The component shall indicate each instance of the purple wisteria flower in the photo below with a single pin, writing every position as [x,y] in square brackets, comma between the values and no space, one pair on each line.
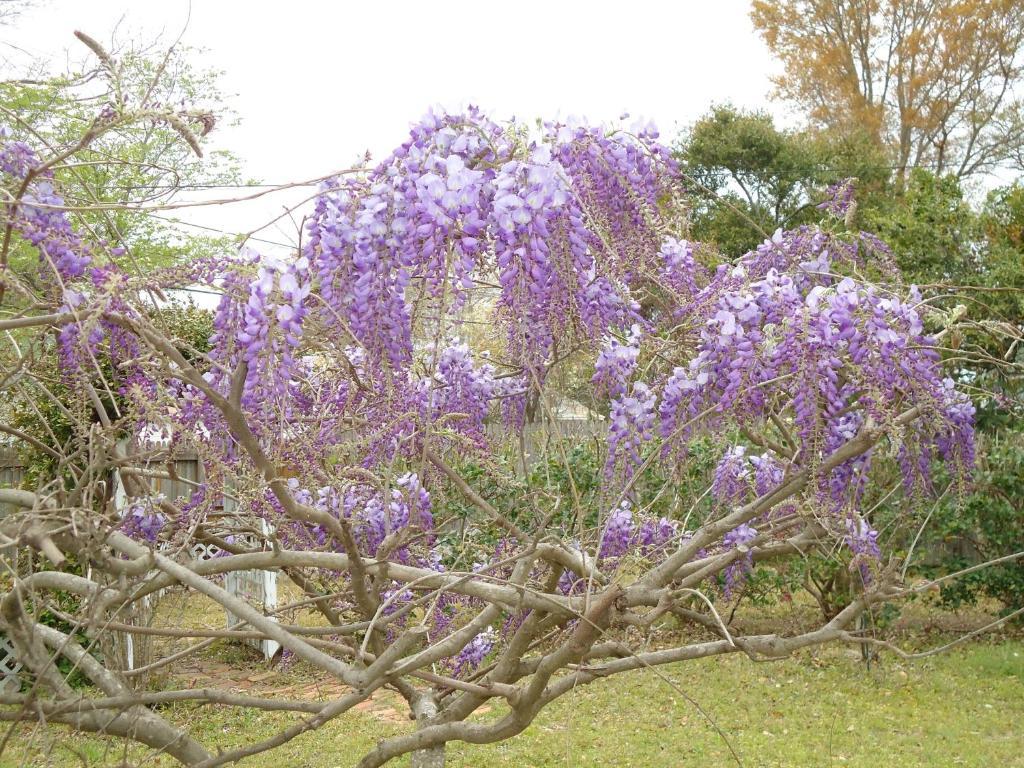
[732,479]
[475,652]
[631,423]
[618,532]
[679,269]
[142,520]
[862,540]
[616,362]
[736,572]
[839,198]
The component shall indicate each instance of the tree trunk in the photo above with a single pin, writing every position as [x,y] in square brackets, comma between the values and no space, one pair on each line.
[425,708]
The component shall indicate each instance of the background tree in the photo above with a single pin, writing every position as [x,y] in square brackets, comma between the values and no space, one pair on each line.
[748,177]
[128,164]
[936,83]
[1002,225]
[933,231]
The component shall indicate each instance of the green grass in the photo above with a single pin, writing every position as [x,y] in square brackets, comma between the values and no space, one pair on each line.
[962,708]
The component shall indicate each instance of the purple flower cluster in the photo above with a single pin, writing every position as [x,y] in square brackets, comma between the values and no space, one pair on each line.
[17,158]
[830,350]
[679,270]
[740,477]
[839,197]
[955,437]
[620,179]
[616,362]
[862,540]
[39,216]
[473,653]
[374,513]
[623,533]
[463,391]
[631,423]
[618,532]
[463,187]
[142,521]
[371,238]
[41,220]
[732,477]
[530,201]
[736,572]
[271,329]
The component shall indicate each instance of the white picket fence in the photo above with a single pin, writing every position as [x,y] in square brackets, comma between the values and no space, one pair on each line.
[258,588]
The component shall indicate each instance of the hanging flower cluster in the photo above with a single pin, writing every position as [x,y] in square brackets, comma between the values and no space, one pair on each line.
[373,513]
[737,571]
[624,532]
[40,217]
[462,392]
[817,352]
[616,362]
[862,540]
[142,519]
[463,188]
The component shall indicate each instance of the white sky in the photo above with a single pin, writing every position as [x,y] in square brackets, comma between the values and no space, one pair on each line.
[318,83]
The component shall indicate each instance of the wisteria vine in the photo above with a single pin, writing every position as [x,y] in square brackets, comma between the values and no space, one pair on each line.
[349,363]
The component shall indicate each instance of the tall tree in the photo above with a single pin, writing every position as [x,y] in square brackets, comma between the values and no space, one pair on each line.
[749,177]
[936,82]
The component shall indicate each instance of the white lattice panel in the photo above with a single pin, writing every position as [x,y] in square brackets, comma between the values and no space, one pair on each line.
[9,666]
[202,551]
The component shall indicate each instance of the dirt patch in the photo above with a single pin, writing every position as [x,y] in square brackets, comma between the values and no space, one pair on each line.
[253,678]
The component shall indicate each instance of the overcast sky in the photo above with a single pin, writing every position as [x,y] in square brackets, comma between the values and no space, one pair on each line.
[317,83]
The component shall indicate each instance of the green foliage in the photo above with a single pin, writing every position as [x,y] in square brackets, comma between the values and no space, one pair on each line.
[771,585]
[1003,216]
[569,491]
[579,476]
[967,256]
[931,229]
[749,177]
[987,524]
[190,326]
[1002,224]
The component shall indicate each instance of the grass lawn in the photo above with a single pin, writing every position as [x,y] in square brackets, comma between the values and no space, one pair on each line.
[962,708]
